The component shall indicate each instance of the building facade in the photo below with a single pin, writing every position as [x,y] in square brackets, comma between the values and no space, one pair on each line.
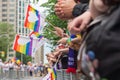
[13,12]
[21,12]
[8,11]
[8,14]
[39,56]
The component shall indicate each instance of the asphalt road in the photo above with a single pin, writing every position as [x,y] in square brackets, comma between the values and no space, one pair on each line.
[26,78]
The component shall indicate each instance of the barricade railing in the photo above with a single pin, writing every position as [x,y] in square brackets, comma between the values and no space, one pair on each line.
[13,74]
[63,75]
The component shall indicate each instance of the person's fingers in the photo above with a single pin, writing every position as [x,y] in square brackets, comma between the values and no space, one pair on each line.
[83,26]
[59,41]
[53,59]
[56,54]
[50,55]
[73,26]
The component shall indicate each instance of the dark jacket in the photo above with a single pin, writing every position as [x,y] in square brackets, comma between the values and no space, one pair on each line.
[80,8]
[104,40]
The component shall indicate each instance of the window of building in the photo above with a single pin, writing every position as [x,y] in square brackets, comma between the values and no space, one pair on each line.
[12,0]
[19,10]
[4,0]
[4,10]
[10,49]
[19,22]
[4,15]
[19,30]
[23,10]
[11,20]
[23,30]
[19,16]
[11,15]
[22,23]
[4,5]
[11,10]
[23,18]
[23,4]
[19,3]
[11,55]
[11,5]
[4,19]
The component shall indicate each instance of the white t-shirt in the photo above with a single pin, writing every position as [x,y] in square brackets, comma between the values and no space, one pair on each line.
[35,68]
[22,67]
[1,64]
[11,65]
[6,67]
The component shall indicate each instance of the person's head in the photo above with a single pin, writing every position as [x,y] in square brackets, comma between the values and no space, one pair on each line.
[98,7]
[111,2]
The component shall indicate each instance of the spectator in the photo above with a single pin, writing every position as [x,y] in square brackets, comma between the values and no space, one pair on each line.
[103,36]
[6,68]
[1,63]
[22,68]
[30,69]
[41,69]
[68,9]
[35,70]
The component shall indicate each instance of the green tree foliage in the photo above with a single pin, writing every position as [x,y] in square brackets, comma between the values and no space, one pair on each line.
[54,20]
[25,57]
[6,37]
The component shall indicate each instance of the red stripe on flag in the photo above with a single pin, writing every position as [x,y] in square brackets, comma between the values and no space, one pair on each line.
[16,42]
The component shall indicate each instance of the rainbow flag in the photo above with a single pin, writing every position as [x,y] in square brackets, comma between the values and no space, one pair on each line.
[69,41]
[53,74]
[36,34]
[23,45]
[47,77]
[32,20]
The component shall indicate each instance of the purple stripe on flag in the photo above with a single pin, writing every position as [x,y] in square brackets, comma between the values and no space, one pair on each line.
[48,78]
[30,47]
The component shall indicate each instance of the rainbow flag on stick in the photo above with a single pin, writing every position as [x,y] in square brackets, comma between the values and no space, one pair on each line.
[32,20]
[23,45]
[53,74]
[36,34]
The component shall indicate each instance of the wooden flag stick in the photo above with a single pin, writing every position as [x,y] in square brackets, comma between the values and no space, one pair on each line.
[48,22]
[50,30]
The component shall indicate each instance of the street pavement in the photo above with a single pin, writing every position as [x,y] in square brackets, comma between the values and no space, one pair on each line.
[33,78]
[26,78]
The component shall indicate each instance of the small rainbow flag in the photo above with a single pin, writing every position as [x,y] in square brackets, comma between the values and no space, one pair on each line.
[53,74]
[69,41]
[23,45]
[35,34]
[32,20]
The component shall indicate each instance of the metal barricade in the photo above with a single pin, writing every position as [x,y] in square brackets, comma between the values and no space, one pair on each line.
[13,74]
[62,75]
